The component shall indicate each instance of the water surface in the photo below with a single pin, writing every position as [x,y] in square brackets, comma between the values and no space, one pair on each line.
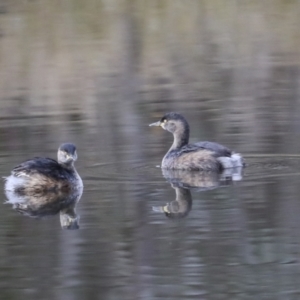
[236,239]
[96,73]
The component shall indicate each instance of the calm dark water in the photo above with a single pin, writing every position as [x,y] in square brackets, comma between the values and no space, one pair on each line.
[96,73]
[234,240]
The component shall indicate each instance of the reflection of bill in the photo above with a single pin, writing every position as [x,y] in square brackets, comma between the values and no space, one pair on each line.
[180,207]
[47,203]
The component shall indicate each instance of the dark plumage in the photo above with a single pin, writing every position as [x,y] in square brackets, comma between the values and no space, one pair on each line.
[207,156]
[45,173]
[41,166]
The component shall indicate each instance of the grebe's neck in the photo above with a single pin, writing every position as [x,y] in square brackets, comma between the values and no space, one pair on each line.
[183,195]
[68,165]
[181,137]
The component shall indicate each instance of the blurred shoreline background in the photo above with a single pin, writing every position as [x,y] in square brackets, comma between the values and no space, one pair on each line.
[229,66]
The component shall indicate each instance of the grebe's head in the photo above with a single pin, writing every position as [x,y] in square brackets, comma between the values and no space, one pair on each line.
[66,154]
[173,122]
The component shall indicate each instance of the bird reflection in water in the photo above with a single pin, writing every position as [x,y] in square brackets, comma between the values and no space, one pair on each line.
[183,182]
[43,203]
[178,208]
[41,186]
